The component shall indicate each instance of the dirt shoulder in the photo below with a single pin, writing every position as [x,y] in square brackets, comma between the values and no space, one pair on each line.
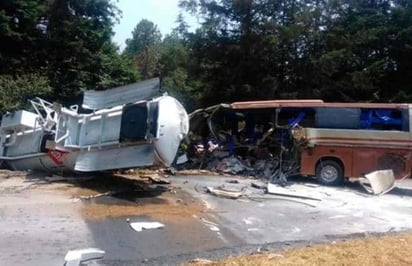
[384,250]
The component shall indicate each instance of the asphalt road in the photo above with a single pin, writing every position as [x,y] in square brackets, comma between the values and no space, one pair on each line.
[40,222]
[341,211]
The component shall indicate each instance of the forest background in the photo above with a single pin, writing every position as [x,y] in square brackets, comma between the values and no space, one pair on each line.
[335,50]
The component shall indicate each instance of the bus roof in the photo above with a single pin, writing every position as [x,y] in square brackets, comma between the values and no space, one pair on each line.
[313,103]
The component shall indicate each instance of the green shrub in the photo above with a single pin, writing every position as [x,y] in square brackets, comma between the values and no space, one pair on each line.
[15,91]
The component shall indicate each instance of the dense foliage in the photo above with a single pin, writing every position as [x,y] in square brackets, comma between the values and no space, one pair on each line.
[58,48]
[337,50]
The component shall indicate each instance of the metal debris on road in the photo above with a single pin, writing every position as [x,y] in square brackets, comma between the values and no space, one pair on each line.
[212,226]
[280,191]
[259,185]
[275,256]
[201,261]
[78,257]
[108,193]
[378,182]
[139,226]
[220,192]
[208,222]
[156,178]
[55,178]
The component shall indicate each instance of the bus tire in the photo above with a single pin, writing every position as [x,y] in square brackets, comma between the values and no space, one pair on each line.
[329,173]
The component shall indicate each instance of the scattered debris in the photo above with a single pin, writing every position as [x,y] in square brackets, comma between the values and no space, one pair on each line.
[261,250]
[378,182]
[139,226]
[170,170]
[259,185]
[197,172]
[212,226]
[230,165]
[55,178]
[78,257]
[108,193]
[208,222]
[179,201]
[220,192]
[242,142]
[253,229]
[274,256]
[280,191]
[156,178]
[275,193]
[311,185]
[201,261]
[215,228]
[182,159]
[279,178]
[271,140]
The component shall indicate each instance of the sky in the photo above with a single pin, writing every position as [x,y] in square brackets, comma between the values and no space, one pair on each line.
[163,13]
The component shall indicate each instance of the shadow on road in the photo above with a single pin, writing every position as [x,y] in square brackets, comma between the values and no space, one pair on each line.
[105,188]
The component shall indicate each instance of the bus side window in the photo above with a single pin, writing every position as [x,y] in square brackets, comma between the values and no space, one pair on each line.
[405,120]
[384,119]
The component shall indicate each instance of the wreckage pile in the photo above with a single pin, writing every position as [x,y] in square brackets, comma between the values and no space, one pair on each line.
[221,140]
[268,168]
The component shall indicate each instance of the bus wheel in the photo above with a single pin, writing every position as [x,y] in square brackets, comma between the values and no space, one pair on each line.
[329,173]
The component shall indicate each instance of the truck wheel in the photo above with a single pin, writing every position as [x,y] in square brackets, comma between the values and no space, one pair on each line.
[329,173]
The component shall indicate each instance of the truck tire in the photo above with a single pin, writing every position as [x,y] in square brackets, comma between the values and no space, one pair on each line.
[329,173]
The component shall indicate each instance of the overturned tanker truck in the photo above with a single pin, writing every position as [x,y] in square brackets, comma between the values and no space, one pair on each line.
[278,138]
[125,127]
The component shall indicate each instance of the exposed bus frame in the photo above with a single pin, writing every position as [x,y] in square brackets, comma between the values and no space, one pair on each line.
[333,154]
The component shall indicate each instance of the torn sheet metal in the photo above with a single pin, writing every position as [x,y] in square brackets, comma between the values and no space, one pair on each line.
[220,192]
[378,182]
[139,226]
[281,191]
[78,257]
[135,92]
[242,141]
[118,158]
[281,138]
[156,178]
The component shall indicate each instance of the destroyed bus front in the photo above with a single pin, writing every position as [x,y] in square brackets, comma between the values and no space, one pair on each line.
[278,138]
[122,130]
